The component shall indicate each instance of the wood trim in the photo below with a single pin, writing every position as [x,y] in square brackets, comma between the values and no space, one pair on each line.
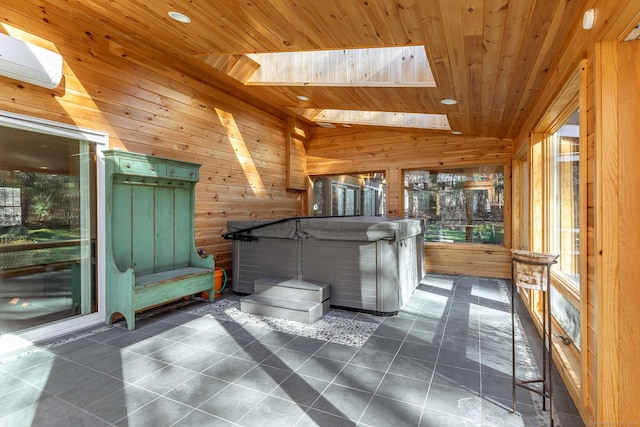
[508,209]
[395,199]
[536,193]
[585,339]
[35,246]
[628,106]
[518,226]
[295,157]
[607,239]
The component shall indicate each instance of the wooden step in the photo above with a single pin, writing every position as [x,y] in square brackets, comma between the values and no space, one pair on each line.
[284,308]
[292,289]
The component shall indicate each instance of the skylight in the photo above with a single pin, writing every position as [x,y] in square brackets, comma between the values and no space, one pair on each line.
[386,66]
[380,118]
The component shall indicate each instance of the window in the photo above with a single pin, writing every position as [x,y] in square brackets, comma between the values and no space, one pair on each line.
[565,207]
[371,200]
[10,207]
[567,316]
[564,223]
[553,210]
[459,205]
[347,195]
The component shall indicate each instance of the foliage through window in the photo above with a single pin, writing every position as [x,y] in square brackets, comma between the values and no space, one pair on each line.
[47,229]
[459,205]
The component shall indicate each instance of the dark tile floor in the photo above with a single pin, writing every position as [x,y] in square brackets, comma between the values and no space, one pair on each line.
[445,360]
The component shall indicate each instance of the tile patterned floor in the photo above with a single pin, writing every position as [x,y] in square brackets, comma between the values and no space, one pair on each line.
[445,360]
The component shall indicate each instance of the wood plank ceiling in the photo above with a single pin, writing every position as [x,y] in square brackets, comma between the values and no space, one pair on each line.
[492,56]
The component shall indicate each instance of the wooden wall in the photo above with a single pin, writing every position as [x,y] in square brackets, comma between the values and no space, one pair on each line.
[607,388]
[151,109]
[615,314]
[628,348]
[350,151]
[468,259]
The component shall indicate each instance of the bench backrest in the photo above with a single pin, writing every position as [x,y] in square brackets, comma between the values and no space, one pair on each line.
[151,227]
[150,212]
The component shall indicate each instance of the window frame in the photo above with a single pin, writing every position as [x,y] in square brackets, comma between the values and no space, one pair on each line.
[572,96]
[359,182]
[571,290]
[506,170]
[570,287]
[101,141]
[343,202]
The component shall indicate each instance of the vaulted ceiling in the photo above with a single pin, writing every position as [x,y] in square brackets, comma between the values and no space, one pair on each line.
[492,56]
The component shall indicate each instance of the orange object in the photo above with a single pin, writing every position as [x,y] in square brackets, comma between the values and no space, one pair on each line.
[219,277]
[218,280]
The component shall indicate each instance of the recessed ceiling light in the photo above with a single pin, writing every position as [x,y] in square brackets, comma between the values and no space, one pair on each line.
[43,167]
[302,98]
[180,17]
[448,101]
[456,132]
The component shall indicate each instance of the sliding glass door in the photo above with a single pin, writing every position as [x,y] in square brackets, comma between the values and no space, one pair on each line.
[48,229]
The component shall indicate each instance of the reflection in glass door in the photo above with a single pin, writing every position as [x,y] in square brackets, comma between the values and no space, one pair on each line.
[344,200]
[357,194]
[47,229]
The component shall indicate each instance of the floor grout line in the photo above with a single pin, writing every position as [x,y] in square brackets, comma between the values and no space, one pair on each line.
[462,287]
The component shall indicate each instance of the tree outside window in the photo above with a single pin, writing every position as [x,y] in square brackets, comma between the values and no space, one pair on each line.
[459,205]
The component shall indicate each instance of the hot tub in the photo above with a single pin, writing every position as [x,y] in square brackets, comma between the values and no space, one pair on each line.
[373,264]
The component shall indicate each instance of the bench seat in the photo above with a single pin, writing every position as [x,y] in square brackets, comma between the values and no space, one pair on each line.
[169,276]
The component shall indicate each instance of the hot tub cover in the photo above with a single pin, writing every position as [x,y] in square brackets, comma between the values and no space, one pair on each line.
[283,229]
[357,228]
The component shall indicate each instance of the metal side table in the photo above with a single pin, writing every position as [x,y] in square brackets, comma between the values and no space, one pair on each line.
[532,270]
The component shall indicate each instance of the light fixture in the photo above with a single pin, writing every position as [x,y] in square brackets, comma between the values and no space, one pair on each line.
[588,19]
[456,132]
[180,17]
[448,101]
[326,125]
[302,98]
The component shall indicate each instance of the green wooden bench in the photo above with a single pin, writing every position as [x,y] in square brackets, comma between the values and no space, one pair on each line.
[150,243]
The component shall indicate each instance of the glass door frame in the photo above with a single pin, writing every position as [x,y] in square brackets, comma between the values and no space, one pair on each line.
[101,141]
[336,185]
